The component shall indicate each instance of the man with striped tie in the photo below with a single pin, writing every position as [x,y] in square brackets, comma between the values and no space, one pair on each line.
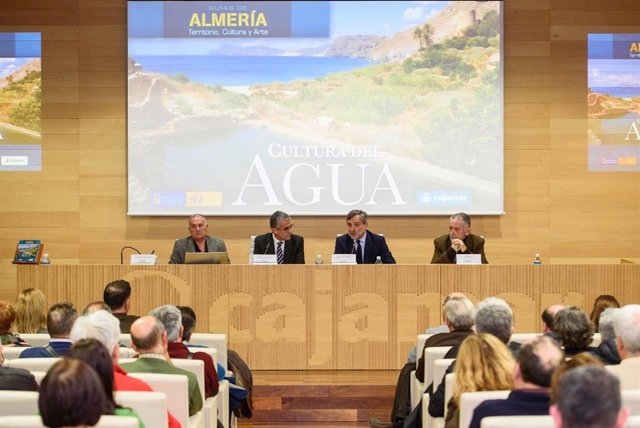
[288,248]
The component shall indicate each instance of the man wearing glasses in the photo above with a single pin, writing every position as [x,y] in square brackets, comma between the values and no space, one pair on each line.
[288,248]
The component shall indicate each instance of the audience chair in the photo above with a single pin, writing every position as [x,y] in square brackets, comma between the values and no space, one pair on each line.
[439,369]
[36,339]
[34,421]
[126,352]
[430,356]
[16,403]
[210,405]
[12,352]
[470,400]
[32,364]
[176,388]
[523,337]
[39,375]
[631,399]
[216,341]
[449,386]
[633,422]
[150,406]
[597,340]
[517,421]
[125,340]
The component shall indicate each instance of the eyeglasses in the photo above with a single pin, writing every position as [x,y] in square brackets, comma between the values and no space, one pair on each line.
[286,229]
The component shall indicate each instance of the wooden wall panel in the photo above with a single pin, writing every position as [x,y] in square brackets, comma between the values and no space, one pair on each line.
[78,202]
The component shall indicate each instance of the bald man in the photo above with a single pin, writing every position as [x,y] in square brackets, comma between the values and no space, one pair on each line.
[149,339]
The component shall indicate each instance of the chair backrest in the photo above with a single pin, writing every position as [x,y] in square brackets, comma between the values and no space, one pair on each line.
[150,406]
[523,337]
[22,421]
[113,421]
[12,352]
[36,339]
[126,352]
[420,344]
[125,340]
[517,421]
[39,375]
[218,341]
[597,339]
[631,399]
[633,421]
[15,403]
[32,364]
[470,400]
[194,366]
[430,356]
[449,386]
[439,369]
[175,387]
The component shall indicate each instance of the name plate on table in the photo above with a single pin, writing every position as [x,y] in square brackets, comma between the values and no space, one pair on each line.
[343,259]
[265,259]
[468,259]
[144,259]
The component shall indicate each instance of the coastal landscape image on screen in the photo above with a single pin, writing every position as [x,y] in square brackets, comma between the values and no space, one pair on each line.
[613,99]
[241,108]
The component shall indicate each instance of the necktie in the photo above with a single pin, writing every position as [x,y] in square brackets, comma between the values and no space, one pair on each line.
[358,252]
[280,253]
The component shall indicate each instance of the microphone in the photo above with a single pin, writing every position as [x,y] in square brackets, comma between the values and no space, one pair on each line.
[153,252]
[122,251]
[267,249]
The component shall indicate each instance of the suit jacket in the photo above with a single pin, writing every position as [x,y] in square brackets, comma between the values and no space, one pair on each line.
[125,321]
[453,338]
[293,248]
[375,245]
[443,253]
[186,245]
[156,365]
[520,402]
[13,379]
[60,348]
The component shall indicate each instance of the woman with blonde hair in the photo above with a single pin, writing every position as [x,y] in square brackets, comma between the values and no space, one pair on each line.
[484,363]
[31,312]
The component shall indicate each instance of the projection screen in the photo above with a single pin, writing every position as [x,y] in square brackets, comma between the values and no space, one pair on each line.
[315,108]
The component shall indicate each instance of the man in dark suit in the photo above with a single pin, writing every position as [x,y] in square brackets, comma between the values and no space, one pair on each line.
[288,248]
[117,296]
[367,246]
[197,242]
[458,241]
[60,320]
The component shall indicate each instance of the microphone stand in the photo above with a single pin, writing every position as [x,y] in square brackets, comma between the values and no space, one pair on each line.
[122,251]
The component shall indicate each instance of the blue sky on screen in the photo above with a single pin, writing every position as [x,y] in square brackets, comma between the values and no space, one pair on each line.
[9,65]
[347,18]
[613,73]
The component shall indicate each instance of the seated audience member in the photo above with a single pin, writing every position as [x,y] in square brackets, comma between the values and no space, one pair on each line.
[626,323]
[71,395]
[444,328]
[31,312]
[197,242]
[494,316]
[149,339]
[534,368]
[14,379]
[171,319]
[188,327]
[588,397]
[60,320]
[601,303]
[484,363]
[105,328]
[366,245]
[607,351]
[547,319]
[281,241]
[94,353]
[117,295]
[574,330]
[580,360]
[7,316]
[458,241]
[98,305]
[459,315]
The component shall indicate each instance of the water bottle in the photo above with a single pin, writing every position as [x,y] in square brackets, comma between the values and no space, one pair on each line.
[319,259]
[536,260]
[45,259]
[378,260]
